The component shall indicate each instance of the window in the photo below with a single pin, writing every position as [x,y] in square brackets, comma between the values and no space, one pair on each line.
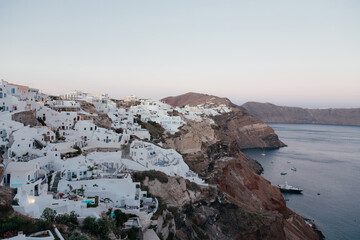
[13,90]
[85,129]
[1,95]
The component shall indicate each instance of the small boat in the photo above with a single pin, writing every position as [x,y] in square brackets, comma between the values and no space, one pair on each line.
[263,153]
[286,188]
[294,169]
[283,173]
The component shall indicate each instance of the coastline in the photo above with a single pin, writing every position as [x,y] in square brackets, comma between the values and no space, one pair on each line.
[322,124]
[312,224]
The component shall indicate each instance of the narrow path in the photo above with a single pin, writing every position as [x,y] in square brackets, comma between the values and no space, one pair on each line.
[56,182]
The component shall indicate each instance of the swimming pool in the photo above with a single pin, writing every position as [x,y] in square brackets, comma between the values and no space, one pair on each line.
[87,201]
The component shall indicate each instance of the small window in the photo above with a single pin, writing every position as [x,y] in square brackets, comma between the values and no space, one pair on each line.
[85,129]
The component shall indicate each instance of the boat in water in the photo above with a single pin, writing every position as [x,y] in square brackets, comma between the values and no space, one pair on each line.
[263,153]
[294,169]
[283,173]
[286,188]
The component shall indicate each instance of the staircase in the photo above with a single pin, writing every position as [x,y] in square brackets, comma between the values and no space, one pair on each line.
[56,182]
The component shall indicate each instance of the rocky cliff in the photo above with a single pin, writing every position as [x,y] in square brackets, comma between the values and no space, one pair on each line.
[236,208]
[236,126]
[239,203]
[194,99]
[271,113]
[26,117]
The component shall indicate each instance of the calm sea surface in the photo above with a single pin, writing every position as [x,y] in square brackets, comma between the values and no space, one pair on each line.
[327,161]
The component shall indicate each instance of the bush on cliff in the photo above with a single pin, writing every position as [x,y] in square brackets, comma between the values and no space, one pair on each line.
[152,175]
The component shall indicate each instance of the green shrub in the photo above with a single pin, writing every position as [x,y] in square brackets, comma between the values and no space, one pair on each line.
[152,175]
[89,223]
[120,217]
[132,233]
[15,224]
[15,202]
[73,217]
[49,215]
[161,208]
[171,236]
[99,227]
[77,236]
[119,130]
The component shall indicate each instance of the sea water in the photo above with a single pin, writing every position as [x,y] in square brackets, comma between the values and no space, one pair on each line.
[327,162]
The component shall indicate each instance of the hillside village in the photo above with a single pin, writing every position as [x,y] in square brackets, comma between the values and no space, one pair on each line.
[76,153]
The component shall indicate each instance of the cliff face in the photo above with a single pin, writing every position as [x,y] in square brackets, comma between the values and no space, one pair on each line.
[247,131]
[236,126]
[87,107]
[241,206]
[271,113]
[27,118]
[244,205]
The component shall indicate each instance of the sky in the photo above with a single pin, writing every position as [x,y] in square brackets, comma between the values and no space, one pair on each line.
[295,53]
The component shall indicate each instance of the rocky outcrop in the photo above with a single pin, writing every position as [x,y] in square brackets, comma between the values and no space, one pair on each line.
[236,126]
[175,192]
[271,113]
[247,131]
[243,185]
[103,120]
[194,99]
[241,206]
[6,197]
[192,136]
[88,107]
[27,118]
[100,120]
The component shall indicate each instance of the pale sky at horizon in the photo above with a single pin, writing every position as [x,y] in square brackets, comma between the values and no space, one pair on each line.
[294,53]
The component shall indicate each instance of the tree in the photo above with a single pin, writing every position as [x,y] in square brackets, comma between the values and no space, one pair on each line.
[99,227]
[102,227]
[89,223]
[73,217]
[49,215]
[120,217]
[77,236]
[132,233]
